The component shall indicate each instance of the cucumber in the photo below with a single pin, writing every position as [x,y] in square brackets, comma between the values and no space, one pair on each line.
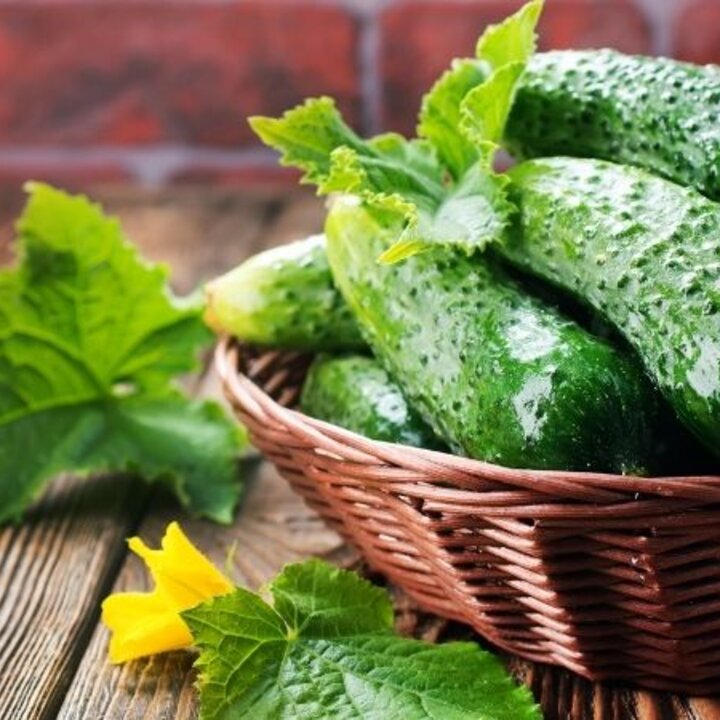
[497,374]
[642,251]
[284,297]
[356,393]
[655,113]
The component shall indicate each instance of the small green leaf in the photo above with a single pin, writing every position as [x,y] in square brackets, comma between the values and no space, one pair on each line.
[473,215]
[513,40]
[401,182]
[489,81]
[315,138]
[485,109]
[306,136]
[90,339]
[506,48]
[326,651]
[318,600]
[440,114]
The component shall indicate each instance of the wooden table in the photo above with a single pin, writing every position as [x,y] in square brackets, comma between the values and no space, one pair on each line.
[70,551]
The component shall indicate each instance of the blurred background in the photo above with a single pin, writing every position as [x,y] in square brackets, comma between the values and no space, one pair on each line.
[154,93]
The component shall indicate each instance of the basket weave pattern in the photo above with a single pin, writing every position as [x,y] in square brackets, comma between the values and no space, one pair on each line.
[609,576]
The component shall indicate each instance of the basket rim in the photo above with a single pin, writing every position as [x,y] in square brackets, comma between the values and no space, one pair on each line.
[500,549]
[568,485]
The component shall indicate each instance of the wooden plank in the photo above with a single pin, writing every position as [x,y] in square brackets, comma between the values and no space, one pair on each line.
[63,559]
[566,696]
[274,528]
[53,569]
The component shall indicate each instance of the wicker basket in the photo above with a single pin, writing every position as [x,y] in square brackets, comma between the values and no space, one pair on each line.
[609,576]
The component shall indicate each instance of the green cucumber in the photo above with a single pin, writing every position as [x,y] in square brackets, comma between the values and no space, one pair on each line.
[284,297]
[356,393]
[643,252]
[655,113]
[498,375]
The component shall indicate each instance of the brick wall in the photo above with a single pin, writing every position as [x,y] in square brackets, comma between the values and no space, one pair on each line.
[156,91]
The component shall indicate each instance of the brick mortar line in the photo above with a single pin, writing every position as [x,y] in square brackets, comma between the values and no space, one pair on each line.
[150,165]
[662,16]
[369,69]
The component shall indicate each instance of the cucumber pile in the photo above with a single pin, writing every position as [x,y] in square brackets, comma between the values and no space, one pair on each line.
[476,297]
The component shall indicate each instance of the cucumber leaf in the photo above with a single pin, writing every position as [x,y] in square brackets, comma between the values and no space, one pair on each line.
[395,177]
[474,213]
[465,112]
[440,115]
[441,189]
[90,340]
[513,40]
[484,111]
[506,48]
[326,649]
[315,138]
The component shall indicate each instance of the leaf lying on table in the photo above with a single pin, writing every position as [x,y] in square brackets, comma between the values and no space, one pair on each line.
[90,339]
[326,650]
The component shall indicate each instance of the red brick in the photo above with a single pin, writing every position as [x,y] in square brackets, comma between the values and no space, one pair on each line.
[697,33]
[117,73]
[418,40]
[248,176]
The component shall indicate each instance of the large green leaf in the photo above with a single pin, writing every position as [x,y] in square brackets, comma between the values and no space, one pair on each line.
[90,339]
[326,651]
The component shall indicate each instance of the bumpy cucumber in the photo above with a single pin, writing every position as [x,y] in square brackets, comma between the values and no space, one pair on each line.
[284,297]
[655,113]
[642,251]
[497,374]
[356,393]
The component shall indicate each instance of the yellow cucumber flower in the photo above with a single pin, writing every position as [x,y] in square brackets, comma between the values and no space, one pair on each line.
[147,623]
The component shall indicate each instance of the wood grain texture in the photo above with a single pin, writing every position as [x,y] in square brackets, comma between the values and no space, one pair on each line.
[53,568]
[566,696]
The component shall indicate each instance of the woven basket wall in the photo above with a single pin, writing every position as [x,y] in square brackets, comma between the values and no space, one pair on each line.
[609,576]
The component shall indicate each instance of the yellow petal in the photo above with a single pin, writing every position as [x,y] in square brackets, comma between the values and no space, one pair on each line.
[147,623]
[181,572]
[142,625]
